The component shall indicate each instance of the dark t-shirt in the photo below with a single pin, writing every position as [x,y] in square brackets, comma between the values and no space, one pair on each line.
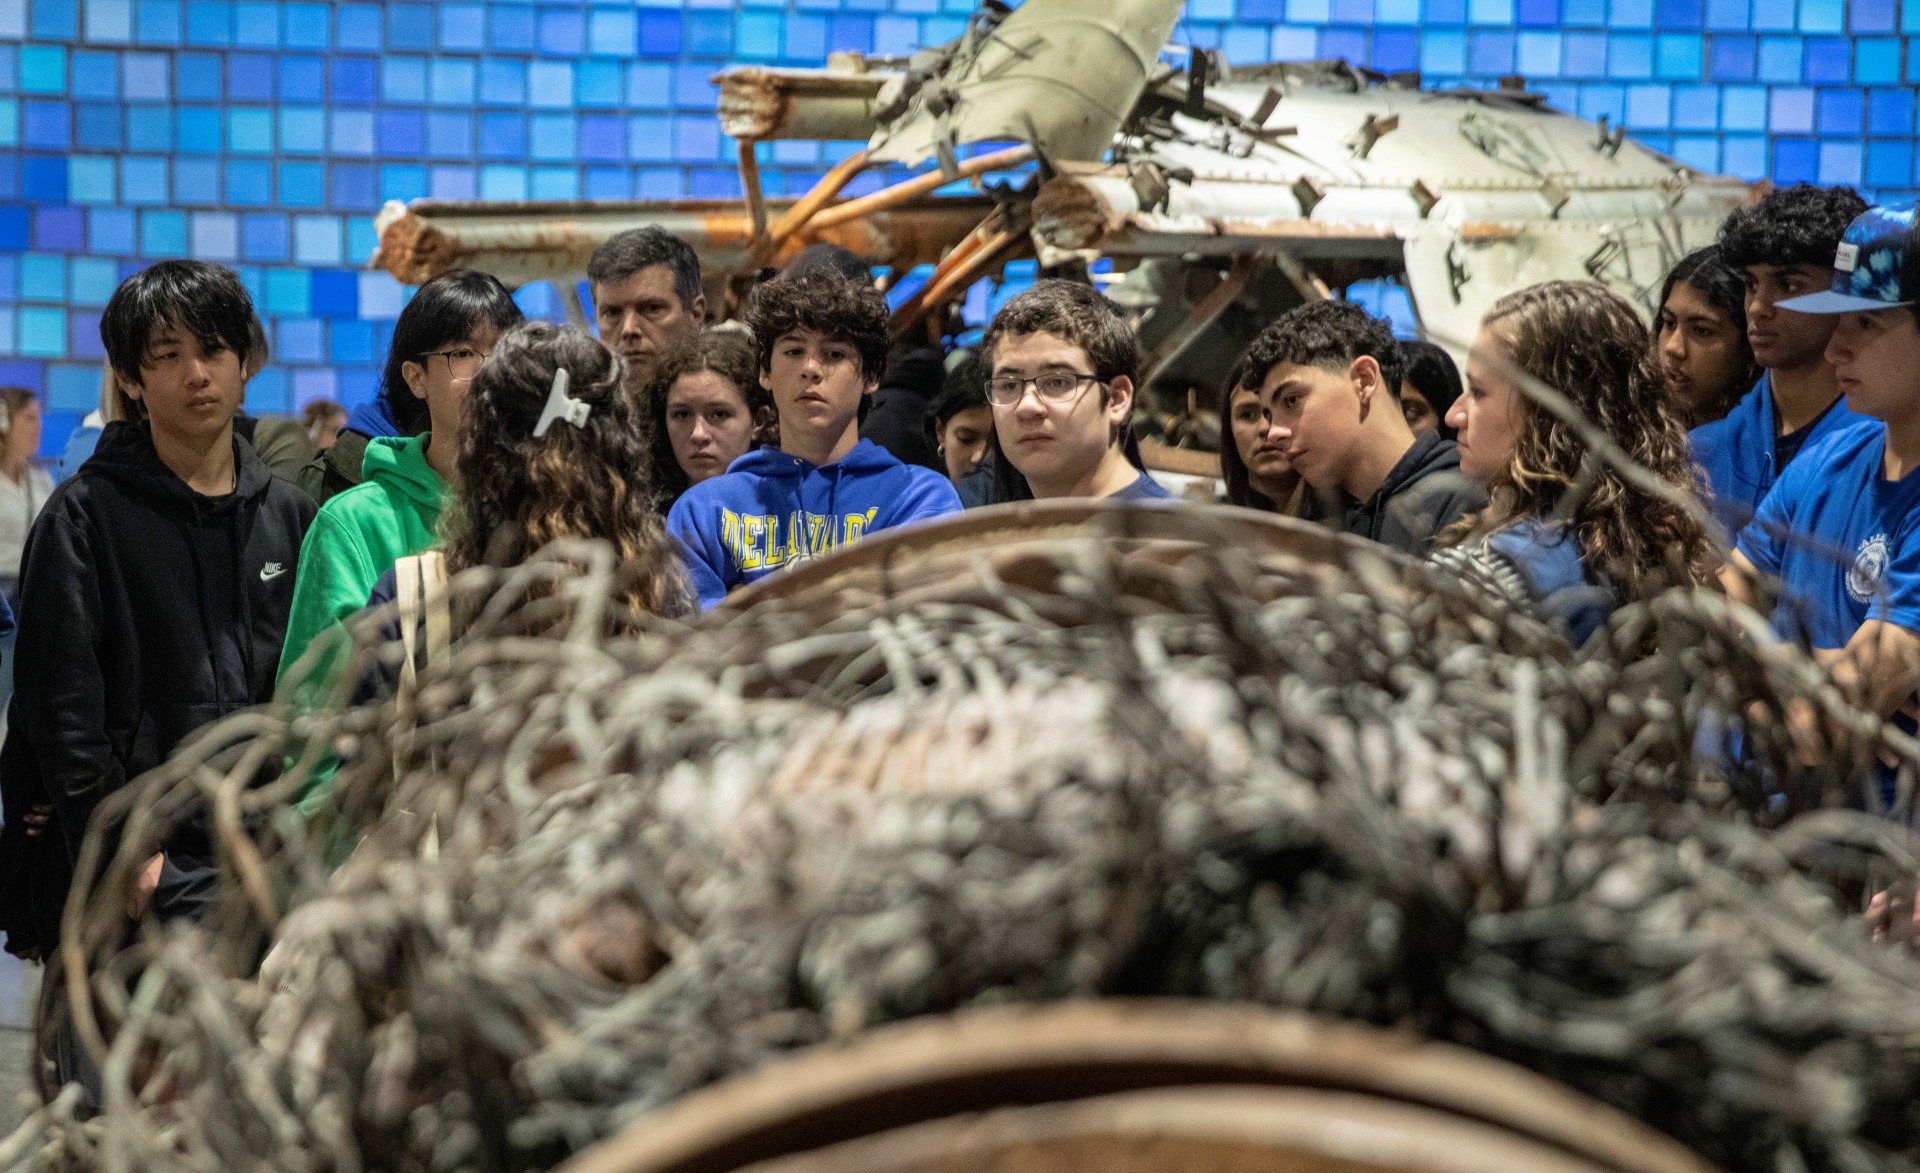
[1786,447]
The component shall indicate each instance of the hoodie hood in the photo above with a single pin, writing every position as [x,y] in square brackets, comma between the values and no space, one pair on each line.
[1431,452]
[127,455]
[767,461]
[373,419]
[1423,494]
[400,464]
[771,510]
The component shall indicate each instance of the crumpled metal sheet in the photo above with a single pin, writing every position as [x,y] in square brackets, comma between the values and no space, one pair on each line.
[1061,75]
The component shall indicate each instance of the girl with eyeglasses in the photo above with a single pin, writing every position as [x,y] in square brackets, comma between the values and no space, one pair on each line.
[365,526]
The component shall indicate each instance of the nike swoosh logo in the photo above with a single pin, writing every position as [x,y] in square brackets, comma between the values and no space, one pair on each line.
[271,571]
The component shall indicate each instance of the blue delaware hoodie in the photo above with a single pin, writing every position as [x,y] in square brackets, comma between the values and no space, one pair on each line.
[1737,452]
[771,510]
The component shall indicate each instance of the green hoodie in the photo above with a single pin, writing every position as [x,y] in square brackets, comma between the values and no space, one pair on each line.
[357,536]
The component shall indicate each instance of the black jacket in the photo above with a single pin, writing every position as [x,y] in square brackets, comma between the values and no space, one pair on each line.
[897,418]
[1425,493]
[146,612]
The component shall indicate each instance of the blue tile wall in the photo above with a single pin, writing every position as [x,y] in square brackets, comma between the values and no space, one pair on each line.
[265,135]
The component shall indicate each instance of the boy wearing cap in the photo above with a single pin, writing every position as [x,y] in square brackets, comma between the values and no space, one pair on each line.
[1840,530]
[1782,247]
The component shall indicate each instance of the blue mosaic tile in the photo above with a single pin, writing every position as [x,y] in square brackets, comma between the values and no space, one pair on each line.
[268,133]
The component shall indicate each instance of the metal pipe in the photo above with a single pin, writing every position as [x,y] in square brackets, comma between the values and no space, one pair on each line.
[992,250]
[523,242]
[796,217]
[917,186]
[750,184]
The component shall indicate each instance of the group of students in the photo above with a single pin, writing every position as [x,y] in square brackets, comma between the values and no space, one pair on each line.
[175,578]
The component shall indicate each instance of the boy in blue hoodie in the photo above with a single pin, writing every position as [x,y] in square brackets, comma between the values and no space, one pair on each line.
[822,342]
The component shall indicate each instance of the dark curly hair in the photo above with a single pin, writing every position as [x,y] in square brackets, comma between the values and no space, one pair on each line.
[1707,274]
[728,353]
[1586,342]
[1801,225]
[845,311]
[1077,314]
[1074,313]
[1328,334]
[519,493]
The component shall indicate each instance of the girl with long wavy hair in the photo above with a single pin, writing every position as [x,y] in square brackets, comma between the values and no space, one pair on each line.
[1565,532]
[520,492]
[591,479]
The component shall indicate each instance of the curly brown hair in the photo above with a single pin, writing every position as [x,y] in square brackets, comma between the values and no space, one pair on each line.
[1587,343]
[728,353]
[845,311]
[519,493]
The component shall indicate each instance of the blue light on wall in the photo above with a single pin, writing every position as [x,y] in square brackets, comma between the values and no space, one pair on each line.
[265,135]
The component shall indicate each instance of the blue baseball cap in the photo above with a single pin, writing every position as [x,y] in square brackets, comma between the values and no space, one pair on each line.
[1876,267]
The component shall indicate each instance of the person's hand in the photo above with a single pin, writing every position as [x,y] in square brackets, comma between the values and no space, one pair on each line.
[144,885]
[37,819]
[1893,920]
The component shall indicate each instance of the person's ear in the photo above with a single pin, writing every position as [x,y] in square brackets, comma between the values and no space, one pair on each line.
[416,377]
[1119,399]
[1365,373]
[128,387]
[766,379]
[698,310]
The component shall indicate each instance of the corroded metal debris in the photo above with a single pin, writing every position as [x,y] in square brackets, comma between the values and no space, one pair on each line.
[603,862]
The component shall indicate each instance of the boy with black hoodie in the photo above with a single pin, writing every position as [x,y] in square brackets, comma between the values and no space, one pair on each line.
[154,590]
[822,342]
[1329,374]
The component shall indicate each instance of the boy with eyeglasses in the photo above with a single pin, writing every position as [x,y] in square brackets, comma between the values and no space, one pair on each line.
[1329,374]
[1061,365]
[822,341]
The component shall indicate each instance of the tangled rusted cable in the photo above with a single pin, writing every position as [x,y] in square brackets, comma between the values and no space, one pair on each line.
[599,862]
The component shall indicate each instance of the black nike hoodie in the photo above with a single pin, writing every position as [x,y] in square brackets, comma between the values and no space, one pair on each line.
[146,611]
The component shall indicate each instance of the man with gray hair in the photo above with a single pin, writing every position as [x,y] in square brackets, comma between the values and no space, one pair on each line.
[645,285]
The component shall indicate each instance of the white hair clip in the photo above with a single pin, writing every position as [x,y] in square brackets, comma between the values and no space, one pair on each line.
[561,407]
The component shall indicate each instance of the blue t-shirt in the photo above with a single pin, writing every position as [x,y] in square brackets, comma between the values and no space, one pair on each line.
[770,510]
[1143,488]
[1737,453]
[1842,539]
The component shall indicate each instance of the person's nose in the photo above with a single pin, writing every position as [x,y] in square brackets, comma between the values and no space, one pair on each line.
[1673,346]
[1840,345]
[630,324]
[1456,417]
[1029,405]
[701,433]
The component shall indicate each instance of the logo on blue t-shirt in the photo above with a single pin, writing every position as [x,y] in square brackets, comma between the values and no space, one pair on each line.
[1869,565]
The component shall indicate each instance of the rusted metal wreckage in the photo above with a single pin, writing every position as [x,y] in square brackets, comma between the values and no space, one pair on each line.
[1220,195]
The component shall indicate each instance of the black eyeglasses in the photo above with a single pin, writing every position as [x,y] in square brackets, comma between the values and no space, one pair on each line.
[1052,387]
